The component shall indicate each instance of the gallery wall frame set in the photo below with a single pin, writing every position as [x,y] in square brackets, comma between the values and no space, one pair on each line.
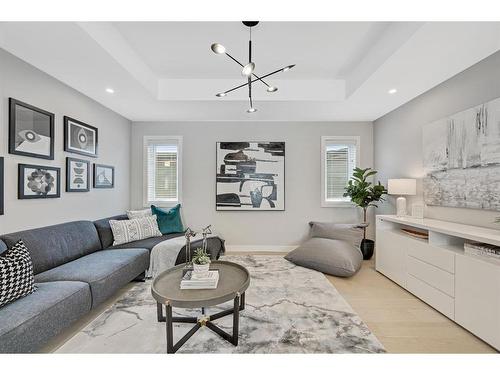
[31,130]
[77,175]
[80,138]
[104,176]
[38,181]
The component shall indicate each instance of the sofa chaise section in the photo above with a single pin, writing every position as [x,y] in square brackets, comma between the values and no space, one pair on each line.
[28,323]
[105,271]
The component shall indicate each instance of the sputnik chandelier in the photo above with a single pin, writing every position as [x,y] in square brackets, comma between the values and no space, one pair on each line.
[248,69]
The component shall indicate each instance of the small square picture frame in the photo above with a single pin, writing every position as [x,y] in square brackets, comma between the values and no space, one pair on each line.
[104,176]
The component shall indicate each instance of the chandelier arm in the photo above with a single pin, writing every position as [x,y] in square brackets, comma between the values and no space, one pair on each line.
[255,80]
[240,64]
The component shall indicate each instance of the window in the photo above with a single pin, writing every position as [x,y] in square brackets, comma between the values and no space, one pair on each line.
[162,170]
[339,156]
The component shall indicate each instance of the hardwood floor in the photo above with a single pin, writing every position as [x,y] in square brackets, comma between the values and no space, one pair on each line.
[401,322]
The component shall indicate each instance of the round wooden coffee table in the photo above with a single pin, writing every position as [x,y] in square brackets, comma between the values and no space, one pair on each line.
[233,282]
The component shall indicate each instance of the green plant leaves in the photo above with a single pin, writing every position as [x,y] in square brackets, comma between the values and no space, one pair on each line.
[362,192]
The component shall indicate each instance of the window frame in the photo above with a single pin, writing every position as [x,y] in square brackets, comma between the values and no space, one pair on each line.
[168,139]
[332,139]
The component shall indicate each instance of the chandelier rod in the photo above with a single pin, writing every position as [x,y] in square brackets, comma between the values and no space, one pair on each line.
[254,80]
[240,64]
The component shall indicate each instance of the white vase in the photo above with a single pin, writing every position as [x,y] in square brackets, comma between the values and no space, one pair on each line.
[200,270]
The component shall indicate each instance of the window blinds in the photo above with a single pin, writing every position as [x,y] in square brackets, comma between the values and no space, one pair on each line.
[340,162]
[162,171]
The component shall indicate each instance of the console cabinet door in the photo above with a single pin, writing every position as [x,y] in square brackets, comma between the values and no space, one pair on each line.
[390,256]
[477,297]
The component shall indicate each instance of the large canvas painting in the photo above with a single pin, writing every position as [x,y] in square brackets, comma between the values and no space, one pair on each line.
[462,159]
[250,176]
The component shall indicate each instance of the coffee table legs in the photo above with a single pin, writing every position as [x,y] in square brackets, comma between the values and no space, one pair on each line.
[238,305]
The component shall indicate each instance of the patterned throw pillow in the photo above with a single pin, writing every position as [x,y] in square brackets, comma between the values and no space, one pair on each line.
[134,230]
[16,274]
[139,213]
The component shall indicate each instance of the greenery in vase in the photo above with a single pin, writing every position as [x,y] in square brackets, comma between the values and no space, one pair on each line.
[201,257]
[362,192]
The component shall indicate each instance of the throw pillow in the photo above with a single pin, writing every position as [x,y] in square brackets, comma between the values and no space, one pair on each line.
[16,274]
[125,231]
[169,221]
[131,214]
[352,233]
[334,257]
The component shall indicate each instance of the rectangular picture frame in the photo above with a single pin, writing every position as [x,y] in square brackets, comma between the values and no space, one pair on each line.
[1,186]
[78,136]
[32,137]
[77,174]
[98,179]
[39,183]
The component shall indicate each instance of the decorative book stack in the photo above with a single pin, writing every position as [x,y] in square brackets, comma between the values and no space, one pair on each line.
[482,249]
[191,281]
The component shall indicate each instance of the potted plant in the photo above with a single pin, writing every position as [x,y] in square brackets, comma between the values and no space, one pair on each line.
[363,193]
[201,263]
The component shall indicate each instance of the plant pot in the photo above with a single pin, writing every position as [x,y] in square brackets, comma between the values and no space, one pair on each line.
[200,270]
[367,247]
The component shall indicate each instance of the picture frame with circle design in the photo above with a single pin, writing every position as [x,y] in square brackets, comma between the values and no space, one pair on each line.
[80,138]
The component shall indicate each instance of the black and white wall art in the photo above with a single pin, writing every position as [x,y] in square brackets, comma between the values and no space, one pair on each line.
[80,138]
[462,159]
[36,181]
[1,187]
[250,176]
[77,175]
[104,176]
[31,130]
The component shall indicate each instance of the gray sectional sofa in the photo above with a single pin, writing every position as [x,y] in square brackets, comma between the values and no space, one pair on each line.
[76,268]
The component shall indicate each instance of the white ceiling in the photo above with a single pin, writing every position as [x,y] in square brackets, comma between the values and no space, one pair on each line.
[166,70]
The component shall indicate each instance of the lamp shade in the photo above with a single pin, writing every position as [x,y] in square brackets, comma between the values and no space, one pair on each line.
[402,186]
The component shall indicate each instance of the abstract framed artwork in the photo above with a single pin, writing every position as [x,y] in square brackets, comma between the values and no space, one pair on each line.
[80,138]
[37,181]
[462,159]
[250,176]
[31,130]
[77,175]
[1,187]
[104,176]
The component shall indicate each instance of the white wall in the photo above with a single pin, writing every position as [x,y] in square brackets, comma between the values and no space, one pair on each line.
[252,230]
[26,83]
[398,135]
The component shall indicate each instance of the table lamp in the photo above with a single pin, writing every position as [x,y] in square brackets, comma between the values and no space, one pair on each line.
[402,186]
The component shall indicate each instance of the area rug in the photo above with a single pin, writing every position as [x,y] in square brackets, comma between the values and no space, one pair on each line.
[289,309]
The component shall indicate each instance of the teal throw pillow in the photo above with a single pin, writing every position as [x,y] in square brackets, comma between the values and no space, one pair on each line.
[169,221]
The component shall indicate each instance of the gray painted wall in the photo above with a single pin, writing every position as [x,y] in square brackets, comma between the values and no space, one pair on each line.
[26,83]
[398,135]
[257,230]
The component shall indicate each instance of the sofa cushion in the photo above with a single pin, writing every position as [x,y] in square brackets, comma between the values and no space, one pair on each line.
[148,243]
[104,229]
[169,221]
[29,322]
[16,274]
[126,231]
[334,257]
[135,214]
[353,233]
[105,271]
[57,244]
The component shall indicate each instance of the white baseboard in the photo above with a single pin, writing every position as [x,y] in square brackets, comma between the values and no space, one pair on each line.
[260,248]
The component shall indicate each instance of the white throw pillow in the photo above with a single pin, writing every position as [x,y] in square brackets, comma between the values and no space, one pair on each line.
[125,231]
[139,213]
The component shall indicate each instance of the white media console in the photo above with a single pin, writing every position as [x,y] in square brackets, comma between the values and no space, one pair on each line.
[465,288]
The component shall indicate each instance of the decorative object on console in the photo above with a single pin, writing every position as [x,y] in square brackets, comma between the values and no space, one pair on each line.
[169,221]
[1,187]
[462,159]
[104,176]
[16,274]
[417,210]
[402,186]
[36,181]
[125,231]
[79,138]
[77,175]
[31,130]
[482,249]
[250,176]
[363,193]
[416,234]
[248,69]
